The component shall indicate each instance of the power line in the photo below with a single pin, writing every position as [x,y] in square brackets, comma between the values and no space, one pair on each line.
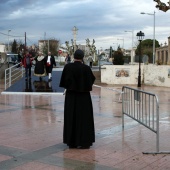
[29,40]
[11,35]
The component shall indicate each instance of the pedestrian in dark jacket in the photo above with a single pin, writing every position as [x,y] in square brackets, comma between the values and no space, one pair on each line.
[27,64]
[68,59]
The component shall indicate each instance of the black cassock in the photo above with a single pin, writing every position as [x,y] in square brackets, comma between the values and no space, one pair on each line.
[78,79]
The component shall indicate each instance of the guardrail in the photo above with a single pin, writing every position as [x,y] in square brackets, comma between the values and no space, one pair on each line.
[12,74]
[143,107]
[112,89]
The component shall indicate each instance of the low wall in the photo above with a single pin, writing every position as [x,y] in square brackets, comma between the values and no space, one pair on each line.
[157,75]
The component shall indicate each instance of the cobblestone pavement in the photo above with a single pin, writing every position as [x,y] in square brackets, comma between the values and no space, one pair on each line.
[31,128]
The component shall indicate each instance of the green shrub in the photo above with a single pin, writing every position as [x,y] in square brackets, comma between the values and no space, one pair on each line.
[62,63]
[95,63]
[118,58]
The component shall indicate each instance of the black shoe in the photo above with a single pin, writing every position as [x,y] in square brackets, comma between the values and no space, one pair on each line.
[84,147]
[72,146]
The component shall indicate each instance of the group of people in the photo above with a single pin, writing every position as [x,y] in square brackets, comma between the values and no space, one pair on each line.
[43,65]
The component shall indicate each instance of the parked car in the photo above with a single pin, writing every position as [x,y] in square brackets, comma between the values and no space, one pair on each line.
[105,63]
[12,58]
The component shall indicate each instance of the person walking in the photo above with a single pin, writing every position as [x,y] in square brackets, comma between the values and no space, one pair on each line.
[27,64]
[40,69]
[77,78]
[68,59]
[90,59]
[19,59]
[50,62]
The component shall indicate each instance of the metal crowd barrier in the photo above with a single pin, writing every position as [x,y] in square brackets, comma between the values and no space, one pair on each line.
[112,89]
[143,107]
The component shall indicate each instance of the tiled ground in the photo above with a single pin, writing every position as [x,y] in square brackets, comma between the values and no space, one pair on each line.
[31,128]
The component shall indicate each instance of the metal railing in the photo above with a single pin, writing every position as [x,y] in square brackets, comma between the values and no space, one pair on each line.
[12,74]
[143,107]
[112,89]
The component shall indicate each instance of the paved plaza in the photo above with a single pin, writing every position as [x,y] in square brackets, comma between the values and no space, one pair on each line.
[31,133]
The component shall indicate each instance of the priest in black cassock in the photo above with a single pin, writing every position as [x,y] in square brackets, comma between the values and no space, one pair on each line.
[77,78]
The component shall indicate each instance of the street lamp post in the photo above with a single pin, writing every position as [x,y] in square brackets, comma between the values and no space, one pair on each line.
[123,42]
[140,35]
[99,58]
[8,39]
[132,47]
[153,33]
[116,45]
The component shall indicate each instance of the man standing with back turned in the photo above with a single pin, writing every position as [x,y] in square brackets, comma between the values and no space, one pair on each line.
[77,78]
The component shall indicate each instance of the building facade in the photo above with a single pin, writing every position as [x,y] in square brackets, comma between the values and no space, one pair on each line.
[162,54]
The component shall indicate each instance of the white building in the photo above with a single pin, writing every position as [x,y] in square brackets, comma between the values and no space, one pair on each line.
[162,54]
[2,48]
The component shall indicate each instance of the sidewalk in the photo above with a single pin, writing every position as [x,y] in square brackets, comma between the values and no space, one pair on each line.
[31,129]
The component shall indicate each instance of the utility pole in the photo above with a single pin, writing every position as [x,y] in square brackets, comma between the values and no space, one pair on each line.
[48,45]
[132,46]
[25,42]
[8,39]
[153,58]
[44,35]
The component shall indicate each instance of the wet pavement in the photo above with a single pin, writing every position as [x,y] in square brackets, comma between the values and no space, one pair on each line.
[31,131]
[37,84]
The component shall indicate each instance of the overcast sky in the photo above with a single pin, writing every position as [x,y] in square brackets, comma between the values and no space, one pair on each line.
[104,21]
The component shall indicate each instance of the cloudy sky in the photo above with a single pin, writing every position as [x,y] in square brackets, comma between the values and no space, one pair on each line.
[104,21]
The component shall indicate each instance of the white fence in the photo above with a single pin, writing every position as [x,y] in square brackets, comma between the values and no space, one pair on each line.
[12,74]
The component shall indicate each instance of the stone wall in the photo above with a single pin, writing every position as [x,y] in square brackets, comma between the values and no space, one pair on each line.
[156,75]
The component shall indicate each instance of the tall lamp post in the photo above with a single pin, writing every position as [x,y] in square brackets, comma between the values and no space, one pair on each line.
[140,35]
[153,33]
[8,39]
[132,47]
[116,45]
[123,42]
